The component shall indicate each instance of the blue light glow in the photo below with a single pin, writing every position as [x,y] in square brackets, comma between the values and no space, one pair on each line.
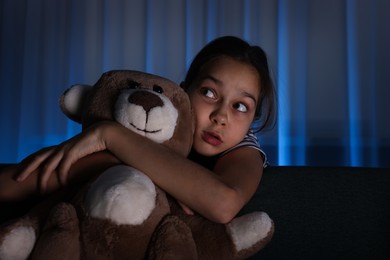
[372,95]
[148,38]
[247,20]
[189,34]
[212,20]
[283,87]
[355,144]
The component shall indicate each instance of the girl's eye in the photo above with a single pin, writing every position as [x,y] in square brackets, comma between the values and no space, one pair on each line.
[207,93]
[240,107]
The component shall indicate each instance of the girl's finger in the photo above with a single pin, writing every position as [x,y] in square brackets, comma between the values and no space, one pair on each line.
[186,209]
[48,169]
[83,146]
[31,163]
[64,168]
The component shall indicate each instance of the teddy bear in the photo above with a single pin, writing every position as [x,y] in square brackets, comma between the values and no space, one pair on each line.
[121,214]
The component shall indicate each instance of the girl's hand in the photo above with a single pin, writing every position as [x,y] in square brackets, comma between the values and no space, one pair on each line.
[60,158]
[33,162]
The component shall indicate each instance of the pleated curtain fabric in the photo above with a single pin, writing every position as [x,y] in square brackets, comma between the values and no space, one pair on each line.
[329,60]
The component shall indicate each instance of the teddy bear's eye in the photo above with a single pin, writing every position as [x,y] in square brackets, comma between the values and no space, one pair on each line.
[158,89]
[134,84]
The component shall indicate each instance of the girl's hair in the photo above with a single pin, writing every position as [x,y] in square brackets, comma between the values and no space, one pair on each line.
[240,50]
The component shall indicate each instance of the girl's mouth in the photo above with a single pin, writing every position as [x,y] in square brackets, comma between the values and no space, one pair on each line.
[212,138]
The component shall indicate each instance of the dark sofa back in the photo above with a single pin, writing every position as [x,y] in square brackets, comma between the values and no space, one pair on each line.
[326,213]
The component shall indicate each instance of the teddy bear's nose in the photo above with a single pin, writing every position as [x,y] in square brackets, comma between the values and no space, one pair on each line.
[145,99]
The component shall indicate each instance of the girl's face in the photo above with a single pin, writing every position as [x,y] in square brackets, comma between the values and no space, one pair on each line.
[224,98]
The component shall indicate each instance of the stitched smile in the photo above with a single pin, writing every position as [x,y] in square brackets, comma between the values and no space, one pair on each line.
[144,130]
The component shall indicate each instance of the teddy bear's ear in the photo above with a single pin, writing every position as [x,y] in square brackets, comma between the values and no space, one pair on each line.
[73,100]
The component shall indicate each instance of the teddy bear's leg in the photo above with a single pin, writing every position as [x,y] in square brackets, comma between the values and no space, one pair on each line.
[250,232]
[17,239]
[60,232]
[172,240]
[121,194]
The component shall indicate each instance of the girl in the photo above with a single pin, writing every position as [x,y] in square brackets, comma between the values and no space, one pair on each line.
[229,86]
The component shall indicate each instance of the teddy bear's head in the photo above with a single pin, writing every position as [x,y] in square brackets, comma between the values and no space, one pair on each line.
[147,104]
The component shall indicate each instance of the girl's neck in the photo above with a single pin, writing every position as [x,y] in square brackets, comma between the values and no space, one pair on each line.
[206,161]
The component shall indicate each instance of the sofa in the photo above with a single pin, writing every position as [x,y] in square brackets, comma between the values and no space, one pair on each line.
[319,212]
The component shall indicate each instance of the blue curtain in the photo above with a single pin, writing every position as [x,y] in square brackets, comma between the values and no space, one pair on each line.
[329,60]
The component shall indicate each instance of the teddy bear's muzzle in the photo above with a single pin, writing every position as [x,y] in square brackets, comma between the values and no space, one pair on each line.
[146,99]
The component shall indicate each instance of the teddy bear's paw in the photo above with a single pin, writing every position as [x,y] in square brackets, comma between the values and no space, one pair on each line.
[61,228]
[251,231]
[172,239]
[123,195]
[18,240]
[63,216]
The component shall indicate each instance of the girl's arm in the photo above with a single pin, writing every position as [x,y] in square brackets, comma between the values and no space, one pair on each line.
[217,195]
[81,171]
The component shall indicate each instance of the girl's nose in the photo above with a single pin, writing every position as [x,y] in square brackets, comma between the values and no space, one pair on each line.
[219,116]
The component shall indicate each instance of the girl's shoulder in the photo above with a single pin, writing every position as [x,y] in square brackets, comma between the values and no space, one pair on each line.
[250,140]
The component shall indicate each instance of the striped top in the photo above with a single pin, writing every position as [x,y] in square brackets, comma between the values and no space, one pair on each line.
[250,140]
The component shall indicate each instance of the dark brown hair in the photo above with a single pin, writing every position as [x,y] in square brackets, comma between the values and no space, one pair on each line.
[240,50]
